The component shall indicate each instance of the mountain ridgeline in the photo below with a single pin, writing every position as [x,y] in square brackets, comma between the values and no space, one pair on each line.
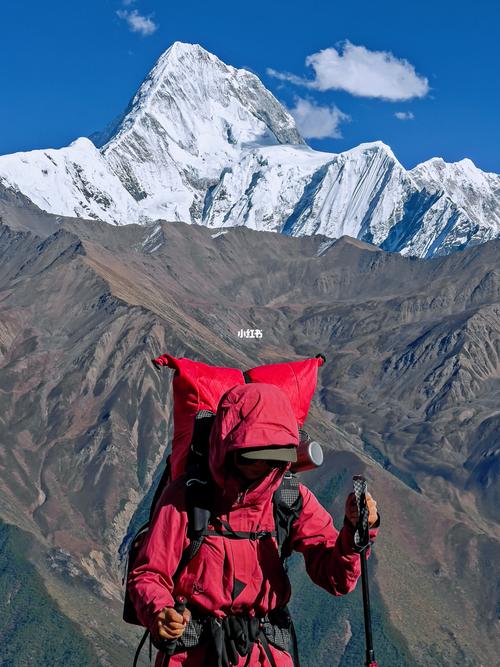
[202,142]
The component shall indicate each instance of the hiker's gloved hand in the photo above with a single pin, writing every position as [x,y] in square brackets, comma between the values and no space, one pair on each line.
[351,510]
[170,624]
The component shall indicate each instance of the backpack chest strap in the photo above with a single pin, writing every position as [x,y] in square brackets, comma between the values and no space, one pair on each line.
[287,503]
[222,528]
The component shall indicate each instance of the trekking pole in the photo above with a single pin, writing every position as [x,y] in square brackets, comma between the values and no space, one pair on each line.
[362,541]
[179,606]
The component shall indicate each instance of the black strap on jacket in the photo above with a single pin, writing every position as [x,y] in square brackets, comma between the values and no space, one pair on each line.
[222,528]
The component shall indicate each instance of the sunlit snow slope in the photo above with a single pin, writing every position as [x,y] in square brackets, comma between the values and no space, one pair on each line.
[206,143]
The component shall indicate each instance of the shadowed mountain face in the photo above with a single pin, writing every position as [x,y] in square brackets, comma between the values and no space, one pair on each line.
[409,396]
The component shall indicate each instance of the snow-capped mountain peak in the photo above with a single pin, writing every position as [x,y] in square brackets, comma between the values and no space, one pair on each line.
[206,143]
[191,118]
[475,191]
[373,146]
[190,90]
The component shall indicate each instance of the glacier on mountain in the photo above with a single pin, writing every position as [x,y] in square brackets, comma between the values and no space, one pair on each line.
[206,143]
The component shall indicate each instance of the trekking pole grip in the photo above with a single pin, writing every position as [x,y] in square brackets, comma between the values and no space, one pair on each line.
[361,536]
[179,606]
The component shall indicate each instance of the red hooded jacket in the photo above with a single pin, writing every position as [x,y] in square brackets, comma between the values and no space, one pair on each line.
[240,577]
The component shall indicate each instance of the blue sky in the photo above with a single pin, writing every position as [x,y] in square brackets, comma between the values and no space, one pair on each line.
[68,68]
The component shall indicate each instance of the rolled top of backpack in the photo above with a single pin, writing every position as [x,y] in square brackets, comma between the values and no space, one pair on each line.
[198,386]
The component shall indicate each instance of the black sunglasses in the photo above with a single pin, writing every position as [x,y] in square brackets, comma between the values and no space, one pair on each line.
[243,461]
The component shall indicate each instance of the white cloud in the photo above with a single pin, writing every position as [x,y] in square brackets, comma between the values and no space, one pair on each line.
[361,72]
[144,25]
[286,76]
[404,115]
[317,122]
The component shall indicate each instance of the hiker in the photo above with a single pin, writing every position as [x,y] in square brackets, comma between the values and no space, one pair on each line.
[236,586]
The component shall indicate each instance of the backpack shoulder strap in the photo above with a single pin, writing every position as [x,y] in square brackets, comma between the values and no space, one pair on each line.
[287,502]
[199,500]
[198,449]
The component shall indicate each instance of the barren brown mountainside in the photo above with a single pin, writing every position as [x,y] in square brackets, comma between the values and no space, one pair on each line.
[408,396]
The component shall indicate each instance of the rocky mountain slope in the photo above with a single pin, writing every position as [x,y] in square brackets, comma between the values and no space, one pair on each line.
[409,396]
[205,143]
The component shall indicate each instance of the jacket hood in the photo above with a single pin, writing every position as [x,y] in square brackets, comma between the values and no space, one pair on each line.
[250,416]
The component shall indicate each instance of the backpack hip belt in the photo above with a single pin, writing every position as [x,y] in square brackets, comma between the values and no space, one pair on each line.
[234,636]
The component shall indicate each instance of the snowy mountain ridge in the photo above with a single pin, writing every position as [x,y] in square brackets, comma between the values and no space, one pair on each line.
[206,143]
[475,191]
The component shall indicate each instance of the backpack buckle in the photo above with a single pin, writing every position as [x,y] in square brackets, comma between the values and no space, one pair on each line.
[260,534]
